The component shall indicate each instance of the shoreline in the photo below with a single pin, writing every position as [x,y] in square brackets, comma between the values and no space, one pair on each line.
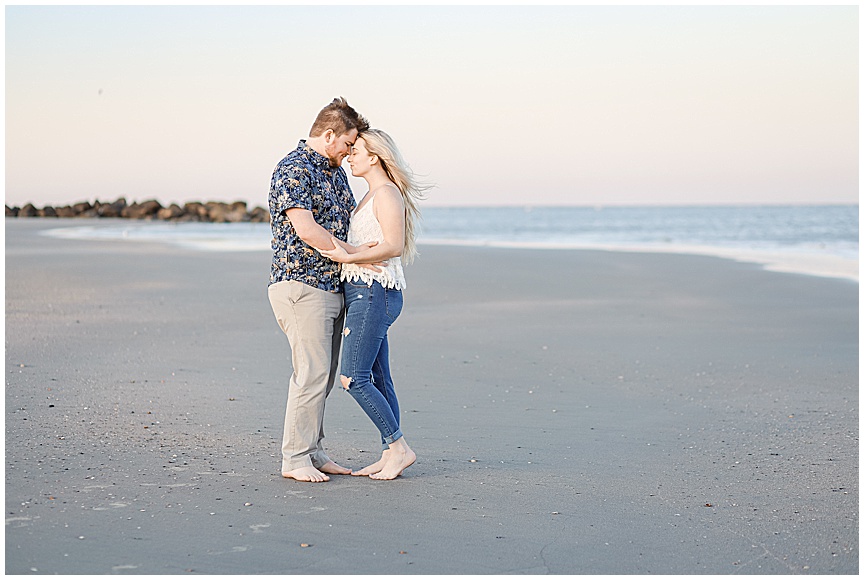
[787,261]
[790,262]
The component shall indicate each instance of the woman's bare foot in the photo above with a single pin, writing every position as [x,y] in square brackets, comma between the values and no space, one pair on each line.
[306,474]
[400,458]
[375,467]
[335,469]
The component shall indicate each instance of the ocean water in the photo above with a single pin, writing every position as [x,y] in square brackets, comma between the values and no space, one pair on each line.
[829,228]
[820,240]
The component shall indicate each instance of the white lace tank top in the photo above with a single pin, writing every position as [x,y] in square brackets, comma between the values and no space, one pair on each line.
[364,228]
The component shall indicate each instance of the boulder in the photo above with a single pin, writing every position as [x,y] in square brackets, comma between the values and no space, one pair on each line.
[146,210]
[90,213]
[113,210]
[172,212]
[259,215]
[191,207]
[237,212]
[216,211]
[28,211]
[195,210]
[12,211]
[107,211]
[81,207]
[47,211]
[237,216]
[65,211]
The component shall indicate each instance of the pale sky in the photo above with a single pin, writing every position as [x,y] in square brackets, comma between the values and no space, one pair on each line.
[562,105]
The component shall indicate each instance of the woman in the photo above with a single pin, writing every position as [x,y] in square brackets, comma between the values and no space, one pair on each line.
[383,221]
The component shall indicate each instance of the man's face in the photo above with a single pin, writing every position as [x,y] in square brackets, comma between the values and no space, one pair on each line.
[338,148]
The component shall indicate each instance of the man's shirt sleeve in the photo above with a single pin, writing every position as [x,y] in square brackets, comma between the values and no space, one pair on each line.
[290,188]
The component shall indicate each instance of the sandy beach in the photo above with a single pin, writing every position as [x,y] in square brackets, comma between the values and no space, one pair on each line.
[573,412]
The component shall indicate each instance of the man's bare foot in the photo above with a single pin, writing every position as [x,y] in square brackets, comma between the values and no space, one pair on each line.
[306,474]
[399,459]
[335,469]
[375,467]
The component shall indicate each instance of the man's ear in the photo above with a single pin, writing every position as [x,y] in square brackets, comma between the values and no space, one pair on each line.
[329,136]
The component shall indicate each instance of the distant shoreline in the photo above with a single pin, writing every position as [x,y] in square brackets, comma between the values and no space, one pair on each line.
[812,261]
[210,212]
[228,238]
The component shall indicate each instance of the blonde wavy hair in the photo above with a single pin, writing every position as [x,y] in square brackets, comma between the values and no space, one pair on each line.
[381,144]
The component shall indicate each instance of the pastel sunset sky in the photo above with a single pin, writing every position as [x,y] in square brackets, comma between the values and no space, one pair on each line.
[504,105]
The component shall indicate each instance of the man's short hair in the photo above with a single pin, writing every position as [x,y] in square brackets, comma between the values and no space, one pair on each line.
[340,117]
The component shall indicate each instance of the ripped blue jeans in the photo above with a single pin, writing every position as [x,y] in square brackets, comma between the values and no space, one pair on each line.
[369,312]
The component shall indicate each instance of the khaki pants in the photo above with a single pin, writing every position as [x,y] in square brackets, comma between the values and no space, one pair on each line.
[312,320]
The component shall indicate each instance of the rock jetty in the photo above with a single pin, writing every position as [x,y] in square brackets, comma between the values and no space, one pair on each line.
[211,211]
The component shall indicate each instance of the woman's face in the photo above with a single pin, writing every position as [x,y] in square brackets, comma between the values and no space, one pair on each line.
[359,159]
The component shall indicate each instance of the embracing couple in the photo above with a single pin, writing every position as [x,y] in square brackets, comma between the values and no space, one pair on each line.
[337,277]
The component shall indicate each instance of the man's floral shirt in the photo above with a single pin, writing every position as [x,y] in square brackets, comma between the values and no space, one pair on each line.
[304,179]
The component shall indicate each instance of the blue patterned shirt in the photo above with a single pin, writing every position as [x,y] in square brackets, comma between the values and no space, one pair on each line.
[304,179]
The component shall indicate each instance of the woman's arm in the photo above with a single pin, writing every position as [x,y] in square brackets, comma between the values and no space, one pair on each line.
[390,213]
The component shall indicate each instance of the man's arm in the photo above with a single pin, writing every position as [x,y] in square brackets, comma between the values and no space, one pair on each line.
[314,235]
[307,228]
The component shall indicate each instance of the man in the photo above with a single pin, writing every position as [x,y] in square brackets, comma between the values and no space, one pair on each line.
[310,201]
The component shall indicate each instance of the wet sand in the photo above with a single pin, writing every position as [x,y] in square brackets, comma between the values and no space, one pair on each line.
[572,412]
